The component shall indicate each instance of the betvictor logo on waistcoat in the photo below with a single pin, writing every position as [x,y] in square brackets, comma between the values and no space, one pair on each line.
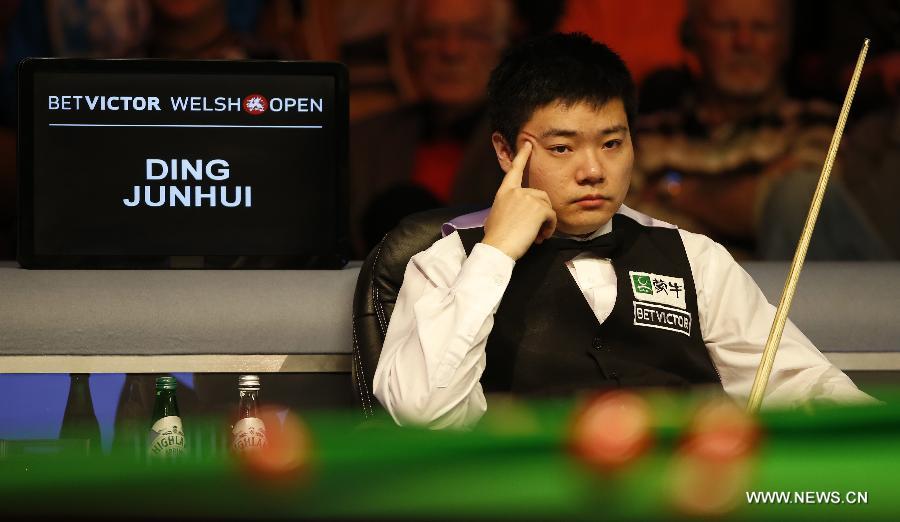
[659,302]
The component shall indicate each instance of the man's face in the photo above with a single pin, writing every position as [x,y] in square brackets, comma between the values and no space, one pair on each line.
[454,46]
[582,159]
[741,45]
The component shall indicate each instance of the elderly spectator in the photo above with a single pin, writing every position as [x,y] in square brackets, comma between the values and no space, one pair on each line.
[738,160]
[436,151]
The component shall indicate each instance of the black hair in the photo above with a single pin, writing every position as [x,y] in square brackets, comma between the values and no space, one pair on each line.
[569,68]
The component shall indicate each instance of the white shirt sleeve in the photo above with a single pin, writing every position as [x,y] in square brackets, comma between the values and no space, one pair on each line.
[433,356]
[735,319]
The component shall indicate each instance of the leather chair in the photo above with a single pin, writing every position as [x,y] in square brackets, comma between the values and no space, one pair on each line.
[376,292]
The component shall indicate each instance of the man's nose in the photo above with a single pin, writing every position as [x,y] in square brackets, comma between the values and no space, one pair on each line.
[451,44]
[590,171]
[743,37]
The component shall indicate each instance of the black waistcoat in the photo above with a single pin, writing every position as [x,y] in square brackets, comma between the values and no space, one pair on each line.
[547,340]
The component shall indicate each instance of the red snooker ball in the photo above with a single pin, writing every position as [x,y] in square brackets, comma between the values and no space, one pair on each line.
[714,464]
[287,454]
[721,430]
[611,430]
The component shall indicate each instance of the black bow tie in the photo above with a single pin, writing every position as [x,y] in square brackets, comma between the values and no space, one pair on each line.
[603,246]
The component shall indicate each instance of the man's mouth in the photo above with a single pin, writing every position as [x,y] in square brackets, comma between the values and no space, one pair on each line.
[592,201]
[592,197]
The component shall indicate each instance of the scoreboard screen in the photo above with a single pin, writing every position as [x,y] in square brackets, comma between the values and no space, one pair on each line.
[160,163]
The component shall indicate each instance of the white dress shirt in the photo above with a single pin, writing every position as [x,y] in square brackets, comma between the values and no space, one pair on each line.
[434,353]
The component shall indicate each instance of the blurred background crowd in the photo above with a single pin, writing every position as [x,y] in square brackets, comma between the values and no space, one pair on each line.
[738,100]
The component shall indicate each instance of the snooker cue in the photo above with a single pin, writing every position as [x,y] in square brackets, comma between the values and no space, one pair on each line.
[790,286]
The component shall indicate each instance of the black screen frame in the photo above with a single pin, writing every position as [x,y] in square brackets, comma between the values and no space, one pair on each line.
[331,255]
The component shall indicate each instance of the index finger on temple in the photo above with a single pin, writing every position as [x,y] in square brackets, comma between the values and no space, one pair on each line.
[513,177]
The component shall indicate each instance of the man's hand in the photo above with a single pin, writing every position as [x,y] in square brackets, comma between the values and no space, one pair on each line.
[519,216]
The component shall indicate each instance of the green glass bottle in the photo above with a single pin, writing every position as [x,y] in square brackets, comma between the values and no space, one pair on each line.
[79,420]
[135,406]
[166,433]
[248,433]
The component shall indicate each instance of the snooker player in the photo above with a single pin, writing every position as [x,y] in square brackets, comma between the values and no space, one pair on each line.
[559,287]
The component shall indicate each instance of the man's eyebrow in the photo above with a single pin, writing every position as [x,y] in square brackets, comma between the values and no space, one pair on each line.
[614,129]
[559,133]
[569,133]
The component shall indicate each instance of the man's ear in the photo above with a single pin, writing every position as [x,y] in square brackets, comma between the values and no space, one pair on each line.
[505,153]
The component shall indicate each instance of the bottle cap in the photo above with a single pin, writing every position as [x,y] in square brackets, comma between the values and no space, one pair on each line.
[166,383]
[248,381]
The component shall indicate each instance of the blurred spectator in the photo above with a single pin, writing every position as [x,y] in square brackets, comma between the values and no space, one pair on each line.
[94,29]
[97,28]
[871,155]
[355,32]
[437,151]
[361,34]
[194,29]
[738,160]
[79,28]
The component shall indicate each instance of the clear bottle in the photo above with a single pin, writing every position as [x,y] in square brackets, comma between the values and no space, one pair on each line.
[79,420]
[248,432]
[166,433]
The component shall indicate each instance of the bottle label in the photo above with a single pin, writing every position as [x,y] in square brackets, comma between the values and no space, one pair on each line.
[167,437]
[248,434]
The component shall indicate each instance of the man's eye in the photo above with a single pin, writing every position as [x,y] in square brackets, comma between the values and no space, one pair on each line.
[612,144]
[560,149]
